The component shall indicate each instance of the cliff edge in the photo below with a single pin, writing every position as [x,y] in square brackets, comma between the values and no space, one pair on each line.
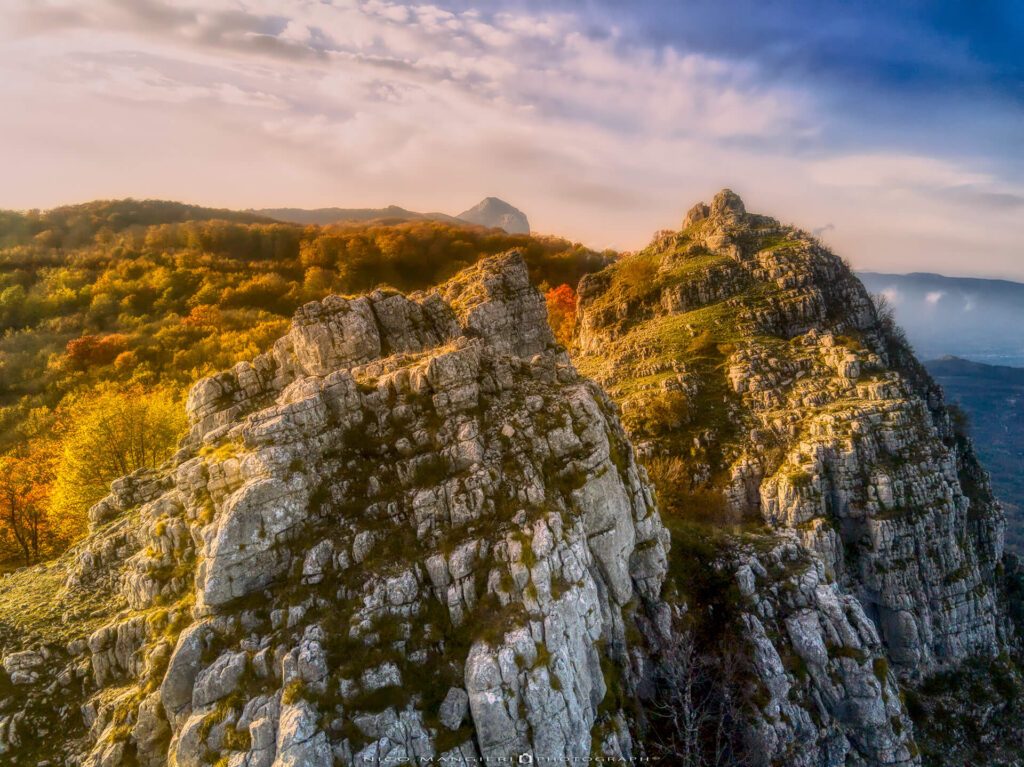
[779,414]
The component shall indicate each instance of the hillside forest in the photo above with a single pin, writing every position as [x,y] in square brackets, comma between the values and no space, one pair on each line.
[110,310]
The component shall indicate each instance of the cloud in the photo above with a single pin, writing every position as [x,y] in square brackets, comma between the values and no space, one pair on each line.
[890,170]
[933,297]
[541,65]
[598,134]
[373,87]
[41,18]
[979,196]
[893,295]
[152,79]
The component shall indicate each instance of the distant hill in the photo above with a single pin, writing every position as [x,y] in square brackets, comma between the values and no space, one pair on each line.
[950,366]
[496,213]
[993,398]
[977,319]
[326,216]
[490,212]
[70,226]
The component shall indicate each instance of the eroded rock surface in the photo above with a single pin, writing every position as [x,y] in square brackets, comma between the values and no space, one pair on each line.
[410,530]
[828,692]
[762,388]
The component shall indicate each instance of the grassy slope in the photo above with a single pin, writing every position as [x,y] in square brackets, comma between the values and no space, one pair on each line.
[695,345]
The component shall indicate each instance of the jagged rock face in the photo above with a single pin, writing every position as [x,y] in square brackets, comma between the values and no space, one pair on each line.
[876,494]
[828,693]
[828,438]
[409,531]
[751,356]
[497,213]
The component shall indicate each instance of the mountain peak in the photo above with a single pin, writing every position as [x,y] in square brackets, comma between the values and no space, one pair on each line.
[726,205]
[750,363]
[494,212]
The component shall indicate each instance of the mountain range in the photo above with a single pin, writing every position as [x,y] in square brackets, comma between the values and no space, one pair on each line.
[489,212]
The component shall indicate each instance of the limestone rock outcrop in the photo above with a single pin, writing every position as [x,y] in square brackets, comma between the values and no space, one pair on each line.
[409,531]
[761,386]
[828,693]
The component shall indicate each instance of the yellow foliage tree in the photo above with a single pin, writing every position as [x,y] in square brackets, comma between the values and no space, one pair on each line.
[109,432]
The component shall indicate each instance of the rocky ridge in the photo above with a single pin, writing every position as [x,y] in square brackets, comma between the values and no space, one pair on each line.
[490,212]
[760,384]
[410,531]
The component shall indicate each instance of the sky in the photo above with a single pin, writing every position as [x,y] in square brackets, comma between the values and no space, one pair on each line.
[892,129]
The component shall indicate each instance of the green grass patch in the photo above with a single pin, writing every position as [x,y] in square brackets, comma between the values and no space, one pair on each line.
[31,605]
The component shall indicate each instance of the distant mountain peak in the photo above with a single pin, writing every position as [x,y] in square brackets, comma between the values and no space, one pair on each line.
[726,205]
[489,212]
[494,212]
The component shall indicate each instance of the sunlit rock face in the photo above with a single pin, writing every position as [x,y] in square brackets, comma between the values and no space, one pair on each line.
[410,531]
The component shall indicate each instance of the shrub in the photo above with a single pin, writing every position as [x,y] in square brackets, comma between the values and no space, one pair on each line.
[561,303]
[680,498]
[635,274]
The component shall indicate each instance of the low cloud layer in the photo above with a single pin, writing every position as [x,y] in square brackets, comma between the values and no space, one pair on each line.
[597,134]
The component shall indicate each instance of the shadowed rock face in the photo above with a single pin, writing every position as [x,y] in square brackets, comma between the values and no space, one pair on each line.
[497,213]
[411,530]
[782,394]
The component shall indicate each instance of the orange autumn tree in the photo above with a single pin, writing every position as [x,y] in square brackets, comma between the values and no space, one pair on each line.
[89,350]
[25,482]
[561,303]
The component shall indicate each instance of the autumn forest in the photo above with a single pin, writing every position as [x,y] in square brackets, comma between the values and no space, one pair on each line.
[110,310]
